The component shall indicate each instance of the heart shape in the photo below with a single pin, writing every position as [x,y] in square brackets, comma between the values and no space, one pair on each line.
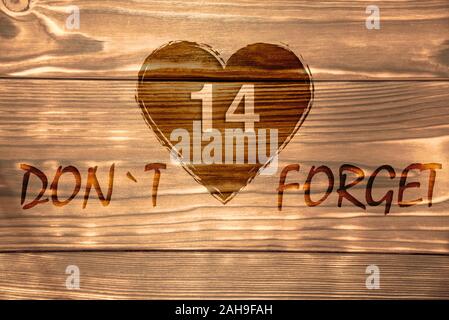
[186,93]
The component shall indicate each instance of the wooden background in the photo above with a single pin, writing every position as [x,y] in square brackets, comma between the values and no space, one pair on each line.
[67,98]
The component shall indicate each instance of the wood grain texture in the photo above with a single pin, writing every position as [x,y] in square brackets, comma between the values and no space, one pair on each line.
[209,275]
[116,36]
[252,249]
[88,123]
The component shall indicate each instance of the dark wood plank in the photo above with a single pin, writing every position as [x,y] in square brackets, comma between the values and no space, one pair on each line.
[208,275]
[97,123]
[116,36]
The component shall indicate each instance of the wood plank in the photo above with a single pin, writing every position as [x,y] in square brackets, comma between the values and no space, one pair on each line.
[115,37]
[215,275]
[97,123]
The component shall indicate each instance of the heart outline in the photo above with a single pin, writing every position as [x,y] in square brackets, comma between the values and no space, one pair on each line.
[167,143]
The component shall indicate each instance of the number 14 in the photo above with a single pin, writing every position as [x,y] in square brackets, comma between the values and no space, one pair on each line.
[246,92]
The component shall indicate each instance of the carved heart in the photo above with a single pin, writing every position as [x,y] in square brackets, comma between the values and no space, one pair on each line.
[186,91]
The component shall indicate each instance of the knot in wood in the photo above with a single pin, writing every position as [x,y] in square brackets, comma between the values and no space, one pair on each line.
[17,5]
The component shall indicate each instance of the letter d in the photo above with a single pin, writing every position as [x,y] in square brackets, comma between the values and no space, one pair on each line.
[26,178]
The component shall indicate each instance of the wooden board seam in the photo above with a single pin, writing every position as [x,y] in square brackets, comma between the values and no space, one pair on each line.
[222,251]
[14,78]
